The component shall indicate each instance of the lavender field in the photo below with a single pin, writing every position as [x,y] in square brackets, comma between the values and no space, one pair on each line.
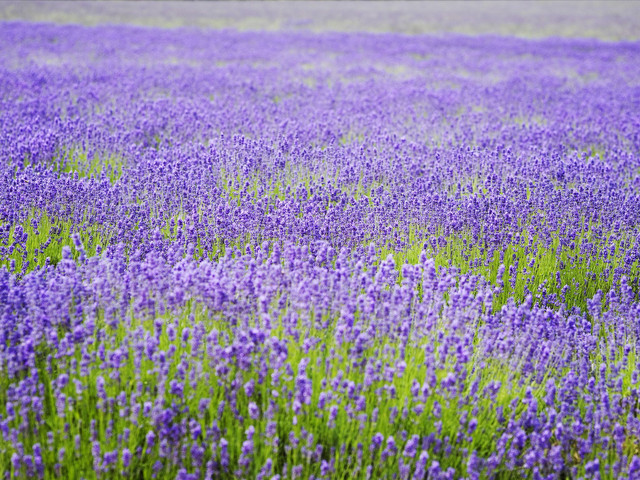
[295,255]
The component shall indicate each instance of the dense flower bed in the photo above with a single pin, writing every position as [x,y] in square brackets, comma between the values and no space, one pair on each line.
[291,255]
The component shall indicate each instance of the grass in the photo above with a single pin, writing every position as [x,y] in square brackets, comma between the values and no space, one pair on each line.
[540,264]
[86,164]
[45,239]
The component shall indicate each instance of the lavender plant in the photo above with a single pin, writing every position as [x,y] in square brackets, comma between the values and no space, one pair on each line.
[295,255]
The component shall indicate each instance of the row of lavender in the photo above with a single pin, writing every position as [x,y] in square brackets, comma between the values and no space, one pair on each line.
[343,138]
[282,364]
[195,228]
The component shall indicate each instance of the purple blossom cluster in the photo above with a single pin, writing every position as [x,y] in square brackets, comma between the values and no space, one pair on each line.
[293,255]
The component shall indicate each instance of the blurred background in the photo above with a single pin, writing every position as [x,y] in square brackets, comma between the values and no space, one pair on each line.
[609,21]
